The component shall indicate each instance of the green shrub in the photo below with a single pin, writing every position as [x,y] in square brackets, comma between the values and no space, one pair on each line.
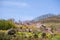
[4,24]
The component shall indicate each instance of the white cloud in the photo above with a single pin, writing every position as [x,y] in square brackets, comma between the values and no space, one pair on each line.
[26,17]
[10,3]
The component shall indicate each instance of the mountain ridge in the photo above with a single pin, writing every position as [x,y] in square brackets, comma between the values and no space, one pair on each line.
[47,17]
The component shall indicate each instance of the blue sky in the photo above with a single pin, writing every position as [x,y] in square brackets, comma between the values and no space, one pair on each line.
[27,9]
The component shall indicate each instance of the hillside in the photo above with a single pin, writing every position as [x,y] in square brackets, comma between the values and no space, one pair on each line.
[47,18]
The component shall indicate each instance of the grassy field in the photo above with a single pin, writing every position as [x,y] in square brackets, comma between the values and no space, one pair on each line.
[20,32]
[27,36]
